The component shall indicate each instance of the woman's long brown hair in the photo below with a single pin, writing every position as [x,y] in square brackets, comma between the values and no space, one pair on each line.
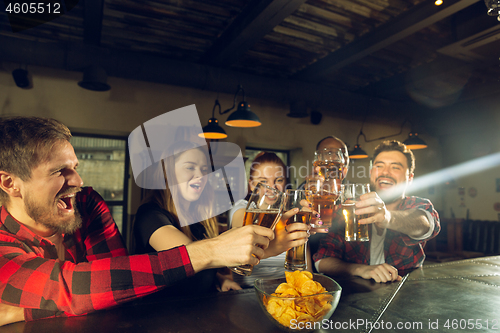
[200,210]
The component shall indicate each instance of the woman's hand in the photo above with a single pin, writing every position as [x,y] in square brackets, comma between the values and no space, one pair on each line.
[313,231]
[226,282]
[287,236]
[227,285]
[316,226]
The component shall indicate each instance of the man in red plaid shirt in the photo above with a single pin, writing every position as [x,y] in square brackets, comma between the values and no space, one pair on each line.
[60,251]
[400,225]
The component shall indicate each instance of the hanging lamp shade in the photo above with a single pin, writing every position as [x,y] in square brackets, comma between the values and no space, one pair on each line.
[357,153]
[213,130]
[243,117]
[21,78]
[95,79]
[414,142]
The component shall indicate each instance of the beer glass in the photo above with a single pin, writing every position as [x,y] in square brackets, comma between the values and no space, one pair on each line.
[296,256]
[324,196]
[264,209]
[332,163]
[353,230]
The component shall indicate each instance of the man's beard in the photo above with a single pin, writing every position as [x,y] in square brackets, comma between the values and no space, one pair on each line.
[46,216]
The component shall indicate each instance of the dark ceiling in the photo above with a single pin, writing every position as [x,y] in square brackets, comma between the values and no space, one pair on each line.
[337,56]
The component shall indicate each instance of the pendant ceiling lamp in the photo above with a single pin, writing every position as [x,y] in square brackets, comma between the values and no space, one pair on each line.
[213,130]
[243,116]
[357,153]
[95,79]
[414,142]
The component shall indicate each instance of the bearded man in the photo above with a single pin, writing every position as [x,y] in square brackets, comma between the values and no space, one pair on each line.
[400,224]
[61,253]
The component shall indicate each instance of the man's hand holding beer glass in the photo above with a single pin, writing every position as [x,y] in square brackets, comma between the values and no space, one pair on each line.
[371,205]
[412,222]
[373,210]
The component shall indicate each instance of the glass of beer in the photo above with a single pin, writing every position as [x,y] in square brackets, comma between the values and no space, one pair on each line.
[354,231]
[264,209]
[296,256]
[332,163]
[325,196]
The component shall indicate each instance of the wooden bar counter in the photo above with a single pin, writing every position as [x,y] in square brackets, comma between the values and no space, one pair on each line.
[459,296]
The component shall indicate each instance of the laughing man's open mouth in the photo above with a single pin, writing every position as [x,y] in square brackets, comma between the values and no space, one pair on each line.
[386,182]
[64,202]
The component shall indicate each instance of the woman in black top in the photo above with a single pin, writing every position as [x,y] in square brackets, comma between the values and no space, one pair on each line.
[181,214]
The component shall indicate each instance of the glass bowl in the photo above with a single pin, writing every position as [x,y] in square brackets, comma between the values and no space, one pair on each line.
[309,311]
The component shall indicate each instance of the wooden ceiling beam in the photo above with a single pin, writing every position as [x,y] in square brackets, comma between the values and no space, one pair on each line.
[92,21]
[403,26]
[256,20]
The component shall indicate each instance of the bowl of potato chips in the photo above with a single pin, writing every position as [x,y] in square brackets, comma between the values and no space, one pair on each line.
[300,301]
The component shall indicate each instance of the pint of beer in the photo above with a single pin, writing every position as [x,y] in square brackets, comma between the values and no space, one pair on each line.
[265,218]
[296,257]
[324,197]
[330,169]
[264,209]
[325,206]
[355,232]
[363,235]
[332,163]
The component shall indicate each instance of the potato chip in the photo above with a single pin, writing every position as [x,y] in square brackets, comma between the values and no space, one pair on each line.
[290,278]
[310,308]
[290,312]
[303,317]
[286,289]
[282,287]
[309,287]
[324,299]
[275,307]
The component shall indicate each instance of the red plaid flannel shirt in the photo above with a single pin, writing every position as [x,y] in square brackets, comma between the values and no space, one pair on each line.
[96,274]
[400,250]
